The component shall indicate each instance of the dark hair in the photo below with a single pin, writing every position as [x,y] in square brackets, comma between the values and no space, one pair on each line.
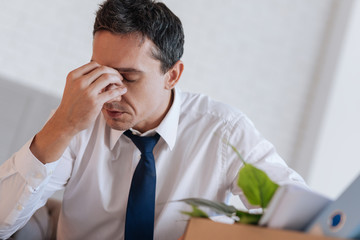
[153,20]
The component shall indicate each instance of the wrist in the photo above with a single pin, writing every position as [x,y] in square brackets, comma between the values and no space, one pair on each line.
[49,144]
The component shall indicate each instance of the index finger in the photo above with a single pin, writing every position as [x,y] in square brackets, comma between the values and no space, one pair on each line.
[85,69]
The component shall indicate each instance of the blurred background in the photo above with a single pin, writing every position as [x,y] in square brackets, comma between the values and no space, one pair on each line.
[291,66]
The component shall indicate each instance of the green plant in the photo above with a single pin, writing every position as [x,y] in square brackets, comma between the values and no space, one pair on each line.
[257,187]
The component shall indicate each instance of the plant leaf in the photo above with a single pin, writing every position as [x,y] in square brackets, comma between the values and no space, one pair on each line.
[248,218]
[196,212]
[256,185]
[237,152]
[221,208]
[217,207]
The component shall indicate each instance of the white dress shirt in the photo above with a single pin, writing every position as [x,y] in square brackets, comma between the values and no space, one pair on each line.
[192,156]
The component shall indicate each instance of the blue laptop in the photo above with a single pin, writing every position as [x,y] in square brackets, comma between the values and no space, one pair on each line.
[341,218]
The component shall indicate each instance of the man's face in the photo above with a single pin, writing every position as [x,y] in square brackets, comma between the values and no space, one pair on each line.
[147,99]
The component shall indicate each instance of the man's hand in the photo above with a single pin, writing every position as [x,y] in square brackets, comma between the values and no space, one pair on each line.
[85,93]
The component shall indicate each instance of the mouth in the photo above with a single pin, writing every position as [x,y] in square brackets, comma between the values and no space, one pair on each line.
[114,113]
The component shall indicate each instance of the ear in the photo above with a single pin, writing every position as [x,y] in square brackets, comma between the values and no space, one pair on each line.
[173,75]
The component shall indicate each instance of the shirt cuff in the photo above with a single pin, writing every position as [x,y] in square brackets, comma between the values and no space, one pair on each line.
[30,168]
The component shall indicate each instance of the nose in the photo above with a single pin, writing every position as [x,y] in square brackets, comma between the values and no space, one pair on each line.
[113,86]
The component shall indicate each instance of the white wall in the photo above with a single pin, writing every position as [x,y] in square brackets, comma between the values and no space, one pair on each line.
[41,41]
[261,56]
[258,55]
[336,159]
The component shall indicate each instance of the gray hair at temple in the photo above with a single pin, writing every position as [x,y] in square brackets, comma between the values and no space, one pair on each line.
[151,19]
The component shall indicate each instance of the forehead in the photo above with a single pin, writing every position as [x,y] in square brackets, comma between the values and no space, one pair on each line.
[119,49]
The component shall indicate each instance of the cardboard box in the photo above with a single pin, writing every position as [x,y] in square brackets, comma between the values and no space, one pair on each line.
[201,228]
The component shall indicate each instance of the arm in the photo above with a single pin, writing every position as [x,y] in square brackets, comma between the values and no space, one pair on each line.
[25,186]
[25,179]
[257,151]
[82,101]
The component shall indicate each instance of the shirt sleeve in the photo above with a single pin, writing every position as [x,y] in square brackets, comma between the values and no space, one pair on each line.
[25,186]
[258,151]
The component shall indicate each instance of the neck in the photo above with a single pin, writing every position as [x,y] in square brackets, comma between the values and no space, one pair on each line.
[157,122]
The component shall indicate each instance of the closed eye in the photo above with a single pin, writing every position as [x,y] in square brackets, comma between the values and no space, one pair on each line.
[130,75]
[125,79]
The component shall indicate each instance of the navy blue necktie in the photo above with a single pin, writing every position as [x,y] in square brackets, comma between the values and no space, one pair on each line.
[140,212]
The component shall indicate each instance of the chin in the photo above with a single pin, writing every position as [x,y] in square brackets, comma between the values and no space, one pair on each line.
[118,126]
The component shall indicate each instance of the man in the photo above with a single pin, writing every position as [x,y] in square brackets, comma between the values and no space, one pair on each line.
[130,84]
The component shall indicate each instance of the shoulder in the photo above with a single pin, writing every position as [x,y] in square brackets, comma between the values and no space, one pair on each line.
[204,115]
[202,106]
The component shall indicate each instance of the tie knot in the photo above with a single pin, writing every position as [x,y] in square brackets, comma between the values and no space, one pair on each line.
[144,144]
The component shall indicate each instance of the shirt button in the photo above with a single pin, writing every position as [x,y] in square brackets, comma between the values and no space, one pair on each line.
[51,172]
[19,207]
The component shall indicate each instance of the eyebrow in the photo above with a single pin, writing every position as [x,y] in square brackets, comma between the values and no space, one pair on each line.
[125,70]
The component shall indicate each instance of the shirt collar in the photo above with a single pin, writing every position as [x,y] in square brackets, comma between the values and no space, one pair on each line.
[167,128]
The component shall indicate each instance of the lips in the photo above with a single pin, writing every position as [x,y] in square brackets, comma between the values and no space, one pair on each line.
[113,113]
